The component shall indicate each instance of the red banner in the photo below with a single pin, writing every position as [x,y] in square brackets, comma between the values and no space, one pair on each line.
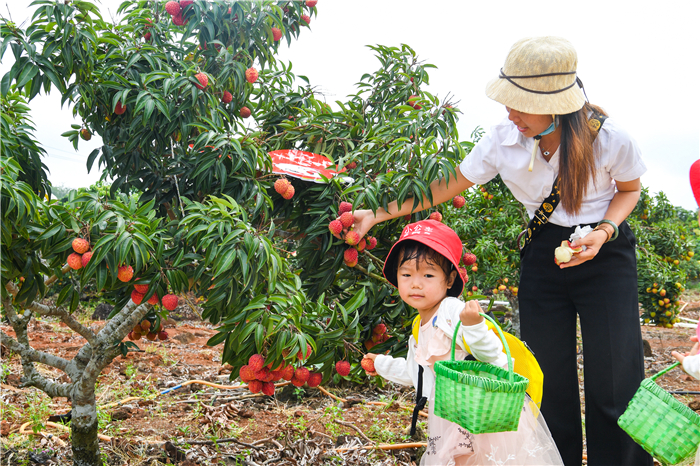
[303,165]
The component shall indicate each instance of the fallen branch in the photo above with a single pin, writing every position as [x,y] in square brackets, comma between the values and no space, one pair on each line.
[353,426]
[384,446]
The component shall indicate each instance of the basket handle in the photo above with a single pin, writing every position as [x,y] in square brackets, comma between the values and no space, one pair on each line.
[660,373]
[505,346]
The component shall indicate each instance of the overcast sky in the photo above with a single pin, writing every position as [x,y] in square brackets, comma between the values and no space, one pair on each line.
[638,60]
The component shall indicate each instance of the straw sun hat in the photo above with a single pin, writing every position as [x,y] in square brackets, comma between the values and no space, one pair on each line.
[539,77]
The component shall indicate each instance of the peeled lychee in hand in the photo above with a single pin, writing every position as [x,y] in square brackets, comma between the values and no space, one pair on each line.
[565,252]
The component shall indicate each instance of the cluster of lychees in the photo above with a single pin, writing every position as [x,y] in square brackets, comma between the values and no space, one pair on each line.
[261,377]
[284,188]
[468,259]
[379,335]
[177,9]
[82,255]
[169,301]
[147,329]
[346,220]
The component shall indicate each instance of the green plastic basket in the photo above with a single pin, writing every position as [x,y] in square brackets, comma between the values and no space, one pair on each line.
[478,396]
[662,425]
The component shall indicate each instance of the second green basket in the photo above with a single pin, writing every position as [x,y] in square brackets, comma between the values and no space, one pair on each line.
[478,396]
[662,425]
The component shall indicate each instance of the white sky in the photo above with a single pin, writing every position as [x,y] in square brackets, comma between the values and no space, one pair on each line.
[638,60]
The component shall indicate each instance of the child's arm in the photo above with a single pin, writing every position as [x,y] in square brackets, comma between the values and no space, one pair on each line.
[690,360]
[393,369]
[485,346]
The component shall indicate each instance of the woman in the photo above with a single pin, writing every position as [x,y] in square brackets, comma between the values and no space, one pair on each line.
[547,134]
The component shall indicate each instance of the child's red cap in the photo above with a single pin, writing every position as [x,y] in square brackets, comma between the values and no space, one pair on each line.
[695,180]
[437,236]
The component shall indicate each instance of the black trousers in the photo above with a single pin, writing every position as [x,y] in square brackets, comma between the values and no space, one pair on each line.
[603,293]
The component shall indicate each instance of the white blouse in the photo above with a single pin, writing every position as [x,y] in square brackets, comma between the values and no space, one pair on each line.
[507,152]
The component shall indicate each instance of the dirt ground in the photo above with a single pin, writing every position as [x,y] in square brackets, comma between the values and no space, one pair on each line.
[200,424]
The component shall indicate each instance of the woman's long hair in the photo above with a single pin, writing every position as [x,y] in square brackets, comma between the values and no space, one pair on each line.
[577,166]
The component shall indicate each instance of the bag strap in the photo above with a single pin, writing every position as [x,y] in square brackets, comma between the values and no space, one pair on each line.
[542,214]
[420,401]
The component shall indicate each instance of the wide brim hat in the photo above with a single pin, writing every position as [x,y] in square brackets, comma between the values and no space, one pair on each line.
[539,77]
[437,236]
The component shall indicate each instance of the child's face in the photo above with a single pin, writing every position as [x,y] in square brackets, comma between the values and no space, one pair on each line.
[423,284]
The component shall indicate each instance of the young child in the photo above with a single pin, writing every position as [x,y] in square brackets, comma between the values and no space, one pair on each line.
[423,265]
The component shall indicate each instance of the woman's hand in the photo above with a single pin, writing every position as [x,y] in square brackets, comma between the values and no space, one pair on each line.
[470,314]
[696,348]
[593,242]
[364,220]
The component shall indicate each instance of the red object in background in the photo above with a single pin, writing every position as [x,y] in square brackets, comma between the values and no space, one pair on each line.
[695,180]
[303,165]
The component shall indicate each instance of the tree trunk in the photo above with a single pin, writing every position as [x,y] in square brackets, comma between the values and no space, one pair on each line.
[86,450]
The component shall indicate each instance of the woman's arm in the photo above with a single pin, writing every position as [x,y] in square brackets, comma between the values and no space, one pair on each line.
[621,205]
[441,190]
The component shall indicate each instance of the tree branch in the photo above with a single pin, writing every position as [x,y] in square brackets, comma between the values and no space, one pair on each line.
[53,278]
[370,274]
[64,315]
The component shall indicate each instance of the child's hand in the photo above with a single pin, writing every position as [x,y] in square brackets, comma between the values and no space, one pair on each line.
[373,357]
[470,314]
[696,348]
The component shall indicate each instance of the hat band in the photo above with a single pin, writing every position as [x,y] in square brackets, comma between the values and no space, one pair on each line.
[510,80]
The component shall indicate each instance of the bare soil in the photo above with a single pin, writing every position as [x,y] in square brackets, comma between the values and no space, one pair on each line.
[198,424]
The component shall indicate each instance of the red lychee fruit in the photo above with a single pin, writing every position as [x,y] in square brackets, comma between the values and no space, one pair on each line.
[352,238]
[75,261]
[262,373]
[145,325]
[361,245]
[468,259]
[368,364]
[173,8]
[130,336]
[342,368]
[245,112]
[86,258]
[458,202]
[300,354]
[169,302]
[315,379]
[379,329]
[255,386]
[281,185]
[436,216]
[203,80]
[347,219]
[275,376]
[153,300]
[371,242]
[256,362]
[143,289]
[311,3]
[178,20]
[463,274]
[185,3]
[227,97]
[289,193]
[344,207]
[151,336]
[296,382]
[306,19]
[125,273]
[413,102]
[302,374]
[137,335]
[276,34]
[136,297]
[163,335]
[251,75]
[119,108]
[268,388]
[351,165]
[246,374]
[287,373]
[350,257]
[85,134]
[335,227]
[147,36]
